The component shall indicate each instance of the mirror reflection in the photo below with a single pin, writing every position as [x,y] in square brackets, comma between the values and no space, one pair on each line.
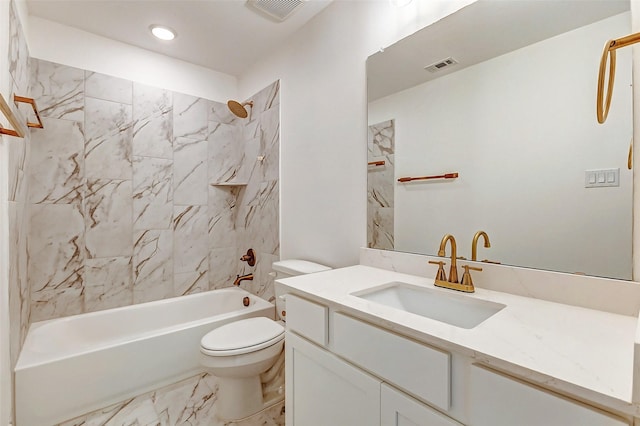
[509,103]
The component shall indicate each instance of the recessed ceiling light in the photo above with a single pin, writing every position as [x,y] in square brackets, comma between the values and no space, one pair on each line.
[162,32]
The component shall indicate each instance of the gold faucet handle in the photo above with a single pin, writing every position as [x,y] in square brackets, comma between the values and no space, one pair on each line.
[461,258]
[490,261]
[440,275]
[466,277]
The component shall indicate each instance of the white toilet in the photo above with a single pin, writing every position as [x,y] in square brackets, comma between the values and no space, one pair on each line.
[240,352]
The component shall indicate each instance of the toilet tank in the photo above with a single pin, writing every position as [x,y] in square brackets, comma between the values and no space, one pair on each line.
[292,268]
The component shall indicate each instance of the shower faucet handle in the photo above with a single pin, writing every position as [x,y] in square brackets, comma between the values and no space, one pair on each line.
[250,257]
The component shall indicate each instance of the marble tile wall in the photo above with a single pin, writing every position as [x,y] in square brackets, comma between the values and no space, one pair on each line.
[380,185]
[18,162]
[189,402]
[123,206]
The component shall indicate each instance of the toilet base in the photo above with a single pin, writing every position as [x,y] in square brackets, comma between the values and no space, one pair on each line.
[239,397]
[245,388]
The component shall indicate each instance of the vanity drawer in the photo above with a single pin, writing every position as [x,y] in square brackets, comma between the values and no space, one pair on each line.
[388,356]
[308,319]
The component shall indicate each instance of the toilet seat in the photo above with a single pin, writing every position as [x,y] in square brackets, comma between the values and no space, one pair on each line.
[242,337]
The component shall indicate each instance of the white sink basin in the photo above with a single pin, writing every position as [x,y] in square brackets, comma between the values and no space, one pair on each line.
[451,308]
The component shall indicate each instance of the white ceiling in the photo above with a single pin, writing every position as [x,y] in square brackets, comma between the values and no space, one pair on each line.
[223,35]
[480,31]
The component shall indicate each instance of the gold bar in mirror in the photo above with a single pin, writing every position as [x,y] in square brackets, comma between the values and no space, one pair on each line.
[602,104]
[444,176]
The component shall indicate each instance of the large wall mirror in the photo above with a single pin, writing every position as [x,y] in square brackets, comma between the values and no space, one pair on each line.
[509,105]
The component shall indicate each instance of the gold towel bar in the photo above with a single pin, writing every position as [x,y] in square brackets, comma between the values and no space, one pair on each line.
[18,130]
[602,104]
[31,102]
[444,176]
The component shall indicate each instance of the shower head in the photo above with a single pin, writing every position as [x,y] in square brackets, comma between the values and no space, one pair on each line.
[238,109]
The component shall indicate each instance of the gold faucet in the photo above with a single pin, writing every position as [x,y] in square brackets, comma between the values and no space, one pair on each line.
[440,281]
[240,278]
[453,270]
[474,247]
[474,244]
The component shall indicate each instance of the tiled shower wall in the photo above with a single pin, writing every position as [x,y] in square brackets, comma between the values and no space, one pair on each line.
[380,185]
[18,150]
[123,203]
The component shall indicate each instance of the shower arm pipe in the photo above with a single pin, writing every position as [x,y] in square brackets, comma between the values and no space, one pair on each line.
[603,103]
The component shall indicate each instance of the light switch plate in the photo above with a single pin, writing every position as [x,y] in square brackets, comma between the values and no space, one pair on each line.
[598,178]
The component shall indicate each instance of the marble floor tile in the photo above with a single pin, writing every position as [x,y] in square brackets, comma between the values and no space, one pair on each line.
[272,416]
[190,402]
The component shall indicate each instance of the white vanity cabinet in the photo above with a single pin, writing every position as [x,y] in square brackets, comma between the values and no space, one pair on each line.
[344,371]
[326,390]
[399,409]
[323,389]
[497,399]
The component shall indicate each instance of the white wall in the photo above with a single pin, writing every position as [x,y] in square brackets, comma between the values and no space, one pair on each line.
[324,115]
[521,130]
[54,42]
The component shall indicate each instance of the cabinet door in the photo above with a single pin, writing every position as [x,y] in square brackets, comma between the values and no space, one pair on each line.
[496,399]
[323,390]
[399,409]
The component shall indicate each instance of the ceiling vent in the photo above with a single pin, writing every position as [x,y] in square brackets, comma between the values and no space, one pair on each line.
[277,10]
[440,65]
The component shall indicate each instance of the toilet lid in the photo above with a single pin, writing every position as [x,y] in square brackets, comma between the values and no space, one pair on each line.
[242,336]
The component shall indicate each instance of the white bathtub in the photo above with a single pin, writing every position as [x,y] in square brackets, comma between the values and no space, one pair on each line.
[74,365]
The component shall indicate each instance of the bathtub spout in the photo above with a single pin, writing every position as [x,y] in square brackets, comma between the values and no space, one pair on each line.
[239,279]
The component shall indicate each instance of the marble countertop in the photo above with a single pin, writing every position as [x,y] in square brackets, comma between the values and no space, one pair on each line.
[585,353]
